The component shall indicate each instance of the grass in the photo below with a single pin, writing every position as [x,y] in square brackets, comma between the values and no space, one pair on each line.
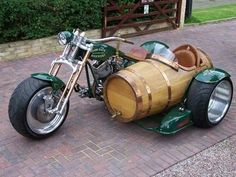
[212,14]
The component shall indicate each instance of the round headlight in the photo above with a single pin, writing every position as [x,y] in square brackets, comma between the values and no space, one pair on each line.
[65,37]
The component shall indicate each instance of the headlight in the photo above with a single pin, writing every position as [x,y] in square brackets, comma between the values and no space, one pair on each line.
[65,37]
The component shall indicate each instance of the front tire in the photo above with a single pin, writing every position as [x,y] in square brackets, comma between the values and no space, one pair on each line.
[27,109]
[209,102]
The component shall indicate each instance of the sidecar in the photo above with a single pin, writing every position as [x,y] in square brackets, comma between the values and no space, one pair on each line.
[166,91]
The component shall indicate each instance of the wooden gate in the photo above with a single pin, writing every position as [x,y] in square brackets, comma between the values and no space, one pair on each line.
[142,16]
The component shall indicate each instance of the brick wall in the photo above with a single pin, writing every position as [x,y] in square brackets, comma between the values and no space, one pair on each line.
[27,48]
[21,49]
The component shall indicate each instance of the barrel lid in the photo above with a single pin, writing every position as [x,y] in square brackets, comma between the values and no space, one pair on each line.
[120,97]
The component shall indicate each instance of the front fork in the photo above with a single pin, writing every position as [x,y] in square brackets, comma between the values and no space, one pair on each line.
[77,70]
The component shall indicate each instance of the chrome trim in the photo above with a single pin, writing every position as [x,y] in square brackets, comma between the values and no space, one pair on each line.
[64,61]
[107,39]
[38,119]
[110,39]
[70,86]
[219,101]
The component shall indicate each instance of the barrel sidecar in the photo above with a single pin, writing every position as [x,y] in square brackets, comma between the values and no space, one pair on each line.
[156,84]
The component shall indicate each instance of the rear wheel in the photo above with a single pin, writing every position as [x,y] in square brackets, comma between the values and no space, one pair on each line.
[208,102]
[27,109]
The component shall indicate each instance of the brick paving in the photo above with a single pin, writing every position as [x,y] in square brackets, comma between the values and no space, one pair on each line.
[90,143]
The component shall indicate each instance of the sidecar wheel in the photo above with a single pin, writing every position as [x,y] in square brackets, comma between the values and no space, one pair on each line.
[27,112]
[209,103]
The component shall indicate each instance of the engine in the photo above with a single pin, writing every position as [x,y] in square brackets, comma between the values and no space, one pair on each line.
[102,70]
[108,67]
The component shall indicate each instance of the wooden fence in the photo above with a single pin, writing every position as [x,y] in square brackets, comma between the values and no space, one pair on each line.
[143,16]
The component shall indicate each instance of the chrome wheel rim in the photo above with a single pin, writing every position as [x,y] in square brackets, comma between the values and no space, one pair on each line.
[38,120]
[219,101]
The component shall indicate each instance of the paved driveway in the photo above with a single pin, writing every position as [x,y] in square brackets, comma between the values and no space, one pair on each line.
[90,143]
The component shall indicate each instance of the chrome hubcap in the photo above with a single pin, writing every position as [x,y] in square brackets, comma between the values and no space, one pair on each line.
[39,120]
[219,101]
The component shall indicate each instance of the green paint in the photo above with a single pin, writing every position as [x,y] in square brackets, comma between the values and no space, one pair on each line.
[212,75]
[150,45]
[167,124]
[102,52]
[174,121]
[57,83]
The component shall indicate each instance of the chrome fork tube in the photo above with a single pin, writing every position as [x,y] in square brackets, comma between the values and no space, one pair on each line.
[70,85]
[54,69]
[56,66]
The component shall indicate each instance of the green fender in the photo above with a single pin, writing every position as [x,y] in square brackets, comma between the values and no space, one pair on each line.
[209,76]
[168,123]
[57,83]
[212,75]
[175,120]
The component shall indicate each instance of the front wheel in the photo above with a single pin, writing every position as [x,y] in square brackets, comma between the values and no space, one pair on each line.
[209,102]
[27,109]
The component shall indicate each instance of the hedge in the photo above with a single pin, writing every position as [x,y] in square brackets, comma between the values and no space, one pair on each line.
[31,19]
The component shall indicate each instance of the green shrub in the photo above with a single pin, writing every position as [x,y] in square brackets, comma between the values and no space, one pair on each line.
[30,19]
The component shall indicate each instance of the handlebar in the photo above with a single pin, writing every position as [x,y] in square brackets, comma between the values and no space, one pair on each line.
[111,39]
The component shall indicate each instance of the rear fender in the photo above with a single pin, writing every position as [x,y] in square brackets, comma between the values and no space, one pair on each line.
[57,83]
[211,76]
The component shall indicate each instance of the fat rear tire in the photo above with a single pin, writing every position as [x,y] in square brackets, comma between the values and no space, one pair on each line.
[198,101]
[19,103]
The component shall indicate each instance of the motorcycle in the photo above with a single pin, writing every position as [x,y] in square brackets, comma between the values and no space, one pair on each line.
[40,104]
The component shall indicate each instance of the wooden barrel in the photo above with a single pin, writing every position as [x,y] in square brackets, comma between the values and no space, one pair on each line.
[146,88]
